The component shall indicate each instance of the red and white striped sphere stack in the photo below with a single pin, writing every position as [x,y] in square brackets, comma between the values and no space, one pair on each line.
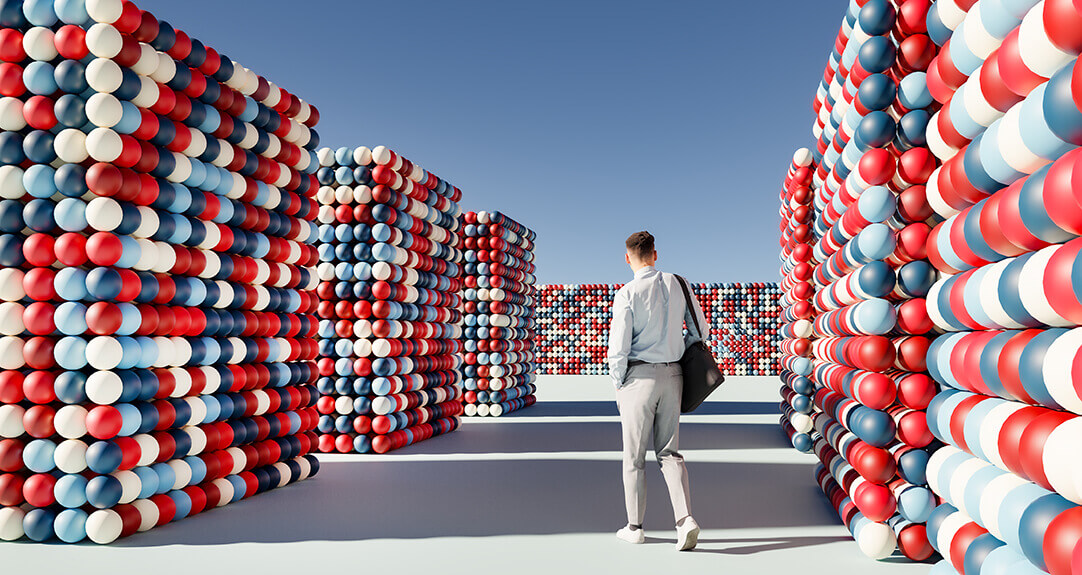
[573,325]
[500,302]
[867,250]
[390,304]
[156,275]
[796,328]
[1006,245]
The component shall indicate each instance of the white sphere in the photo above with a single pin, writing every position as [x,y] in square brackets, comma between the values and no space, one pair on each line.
[107,11]
[104,526]
[130,486]
[183,473]
[148,93]
[148,60]
[199,440]
[148,223]
[801,422]
[104,110]
[70,421]
[149,448]
[165,70]
[11,114]
[1061,465]
[70,456]
[876,540]
[11,523]
[11,182]
[148,512]
[225,488]
[104,75]
[104,41]
[363,156]
[103,352]
[11,352]
[38,42]
[104,387]
[104,214]
[11,421]
[104,145]
[11,318]
[70,146]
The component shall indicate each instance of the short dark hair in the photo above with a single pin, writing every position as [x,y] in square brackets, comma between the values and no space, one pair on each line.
[640,245]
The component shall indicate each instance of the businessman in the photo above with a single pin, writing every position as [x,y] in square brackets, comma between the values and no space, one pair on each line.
[645,345]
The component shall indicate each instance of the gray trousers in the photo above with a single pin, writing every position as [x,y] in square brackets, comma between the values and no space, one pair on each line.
[649,404]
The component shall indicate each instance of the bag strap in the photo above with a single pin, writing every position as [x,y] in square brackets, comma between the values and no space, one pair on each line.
[691,306]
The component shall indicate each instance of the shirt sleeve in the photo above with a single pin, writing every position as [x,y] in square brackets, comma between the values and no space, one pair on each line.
[619,338]
[694,335]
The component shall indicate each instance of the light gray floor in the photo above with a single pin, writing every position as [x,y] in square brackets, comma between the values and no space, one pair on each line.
[531,492]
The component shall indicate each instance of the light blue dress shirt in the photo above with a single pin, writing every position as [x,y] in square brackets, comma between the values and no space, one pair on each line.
[648,316]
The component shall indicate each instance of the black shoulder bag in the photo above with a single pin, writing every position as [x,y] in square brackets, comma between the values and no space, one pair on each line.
[701,373]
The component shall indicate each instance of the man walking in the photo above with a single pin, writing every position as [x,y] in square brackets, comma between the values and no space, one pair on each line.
[645,346]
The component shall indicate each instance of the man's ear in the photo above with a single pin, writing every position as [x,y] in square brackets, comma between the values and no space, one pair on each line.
[655,255]
[627,258]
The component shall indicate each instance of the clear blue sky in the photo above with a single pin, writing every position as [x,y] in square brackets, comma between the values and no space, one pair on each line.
[585,120]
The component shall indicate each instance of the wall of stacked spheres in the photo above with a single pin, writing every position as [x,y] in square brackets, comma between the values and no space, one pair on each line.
[929,245]
[1007,302]
[390,286]
[499,307]
[156,275]
[573,323]
[855,223]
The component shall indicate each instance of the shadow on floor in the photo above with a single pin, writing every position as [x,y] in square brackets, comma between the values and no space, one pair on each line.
[354,500]
[409,499]
[602,408]
[758,544]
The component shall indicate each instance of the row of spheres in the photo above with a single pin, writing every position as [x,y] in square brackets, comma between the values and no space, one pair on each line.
[499,324]
[573,324]
[391,298]
[856,277]
[156,275]
[1007,133]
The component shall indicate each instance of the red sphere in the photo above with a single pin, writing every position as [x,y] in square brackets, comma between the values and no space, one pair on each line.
[916,53]
[103,318]
[916,391]
[912,352]
[11,455]
[802,253]
[876,502]
[913,204]
[38,250]
[876,166]
[913,540]
[913,19]
[11,388]
[874,353]
[11,45]
[38,421]
[39,114]
[1062,539]
[103,422]
[70,42]
[38,490]
[70,249]
[11,80]
[916,165]
[874,464]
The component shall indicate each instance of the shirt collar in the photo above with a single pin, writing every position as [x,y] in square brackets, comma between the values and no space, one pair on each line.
[644,271]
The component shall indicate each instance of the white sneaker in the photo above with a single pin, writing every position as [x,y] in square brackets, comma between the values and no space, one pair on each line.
[635,536]
[687,535]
